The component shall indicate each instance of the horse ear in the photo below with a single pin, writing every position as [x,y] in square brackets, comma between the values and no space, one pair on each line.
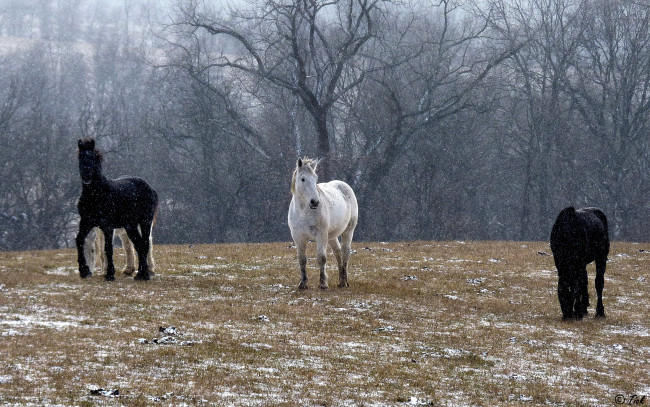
[79,143]
[299,163]
[92,144]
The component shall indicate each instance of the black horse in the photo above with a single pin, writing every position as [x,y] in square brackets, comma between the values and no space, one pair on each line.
[127,202]
[578,238]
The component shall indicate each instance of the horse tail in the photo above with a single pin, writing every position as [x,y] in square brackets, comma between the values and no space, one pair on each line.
[155,215]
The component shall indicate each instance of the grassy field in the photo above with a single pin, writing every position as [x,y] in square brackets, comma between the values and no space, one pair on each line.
[423,323]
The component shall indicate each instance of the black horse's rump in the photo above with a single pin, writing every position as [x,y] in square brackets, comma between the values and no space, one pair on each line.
[128,203]
[578,238]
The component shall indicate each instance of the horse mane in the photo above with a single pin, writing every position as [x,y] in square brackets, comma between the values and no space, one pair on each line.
[88,144]
[311,164]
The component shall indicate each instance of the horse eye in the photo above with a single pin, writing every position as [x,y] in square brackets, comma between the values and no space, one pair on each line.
[302,179]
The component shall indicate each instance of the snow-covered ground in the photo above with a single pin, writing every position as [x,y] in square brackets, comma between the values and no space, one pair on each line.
[423,323]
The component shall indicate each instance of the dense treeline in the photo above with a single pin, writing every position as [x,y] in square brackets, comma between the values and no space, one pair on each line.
[450,119]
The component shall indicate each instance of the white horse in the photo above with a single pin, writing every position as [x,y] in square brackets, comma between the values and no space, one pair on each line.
[322,213]
[96,257]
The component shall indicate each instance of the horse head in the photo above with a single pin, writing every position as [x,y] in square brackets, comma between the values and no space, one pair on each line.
[303,184]
[90,160]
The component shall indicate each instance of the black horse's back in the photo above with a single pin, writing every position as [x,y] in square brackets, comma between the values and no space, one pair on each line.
[134,198]
[579,237]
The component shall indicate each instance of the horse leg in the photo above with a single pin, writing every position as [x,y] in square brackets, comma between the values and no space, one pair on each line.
[336,248]
[130,252]
[301,247]
[99,251]
[142,248]
[152,264]
[346,242]
[108,248]
[84,229]
[565,295]
[90,251]
[583,292]
[600,283]
[321,255]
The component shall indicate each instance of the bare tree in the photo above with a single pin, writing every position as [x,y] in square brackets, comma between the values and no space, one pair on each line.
[610,89]
[539,114]
[305,46]
[444,59]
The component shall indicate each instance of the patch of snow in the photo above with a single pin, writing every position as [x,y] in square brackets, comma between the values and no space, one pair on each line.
[388,328]
[10,332]
[203,266]
[61,271]
[353,345]
[33,320]
[521,398]
[257,345]
[634,330]
[457,260]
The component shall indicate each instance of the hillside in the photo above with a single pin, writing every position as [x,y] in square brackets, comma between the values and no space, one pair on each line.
[423,323]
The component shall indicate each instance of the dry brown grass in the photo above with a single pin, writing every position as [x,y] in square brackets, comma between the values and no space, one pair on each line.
[476,323]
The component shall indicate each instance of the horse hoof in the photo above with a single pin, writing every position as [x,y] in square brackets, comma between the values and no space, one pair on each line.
[85,273]
[344,285]
[110,277]
[128,272]
[323,286]
[599,315]
[142,277]
[303,286]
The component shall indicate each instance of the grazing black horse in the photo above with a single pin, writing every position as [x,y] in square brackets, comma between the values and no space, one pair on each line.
[127,202]
[578,238]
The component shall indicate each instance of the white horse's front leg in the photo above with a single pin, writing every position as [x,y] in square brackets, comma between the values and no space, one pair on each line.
[301,246]
[130,252]
[321,255]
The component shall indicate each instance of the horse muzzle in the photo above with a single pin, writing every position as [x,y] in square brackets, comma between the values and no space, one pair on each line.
[313,204]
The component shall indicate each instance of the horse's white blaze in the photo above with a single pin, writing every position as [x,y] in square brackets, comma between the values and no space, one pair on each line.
[321,212]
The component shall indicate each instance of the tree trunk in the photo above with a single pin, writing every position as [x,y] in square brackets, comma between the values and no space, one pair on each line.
[323,145]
